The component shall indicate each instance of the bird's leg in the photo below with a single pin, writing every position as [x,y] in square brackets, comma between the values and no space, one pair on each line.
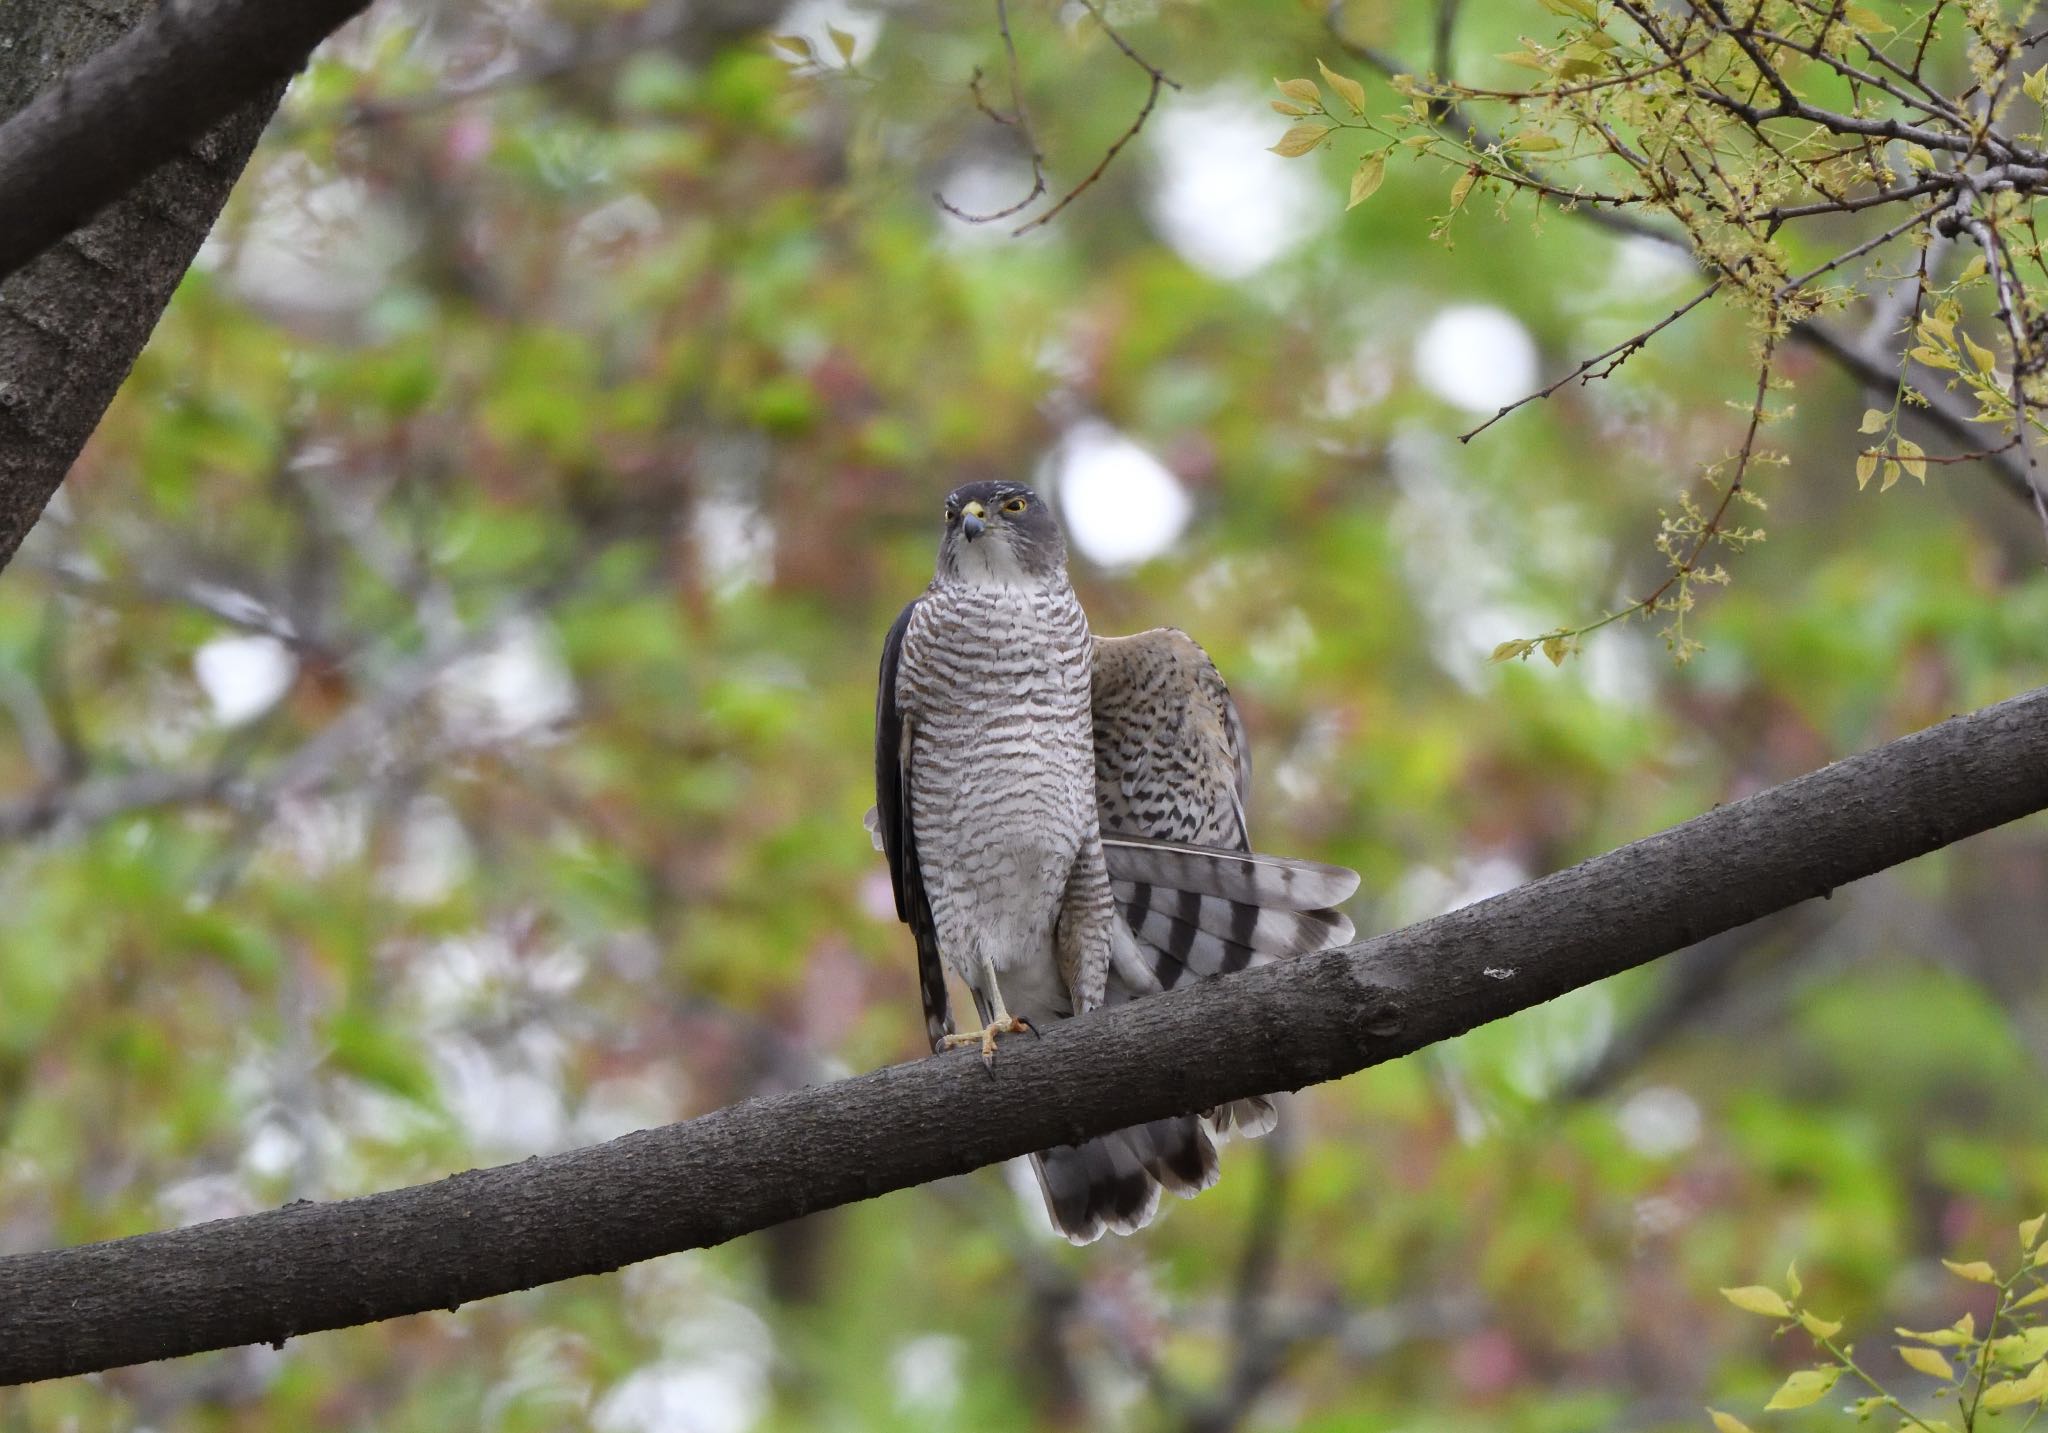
[999,1022]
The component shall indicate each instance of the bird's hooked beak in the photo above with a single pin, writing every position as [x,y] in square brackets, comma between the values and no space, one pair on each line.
[973,521]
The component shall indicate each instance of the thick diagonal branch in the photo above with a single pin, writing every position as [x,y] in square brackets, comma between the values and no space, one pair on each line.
[89,138]
[267,1277]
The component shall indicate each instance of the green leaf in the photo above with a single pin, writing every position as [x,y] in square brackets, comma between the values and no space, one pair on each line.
[2036,85]
[1351,90]
[841,41]
[1371,172]
[2030,1230]
[1463,187]
[1792,1284]
[1976,1271]
[1535,141]
[1727,1422]
[1756,1299]
[1301,139]
[1804,1388]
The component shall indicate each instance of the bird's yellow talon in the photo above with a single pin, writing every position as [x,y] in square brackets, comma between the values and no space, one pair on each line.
[986,1037]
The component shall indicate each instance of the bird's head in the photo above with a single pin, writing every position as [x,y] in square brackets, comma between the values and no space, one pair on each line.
[1000,535]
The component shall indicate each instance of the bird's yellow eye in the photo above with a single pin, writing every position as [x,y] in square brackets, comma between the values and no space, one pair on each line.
[1015,506]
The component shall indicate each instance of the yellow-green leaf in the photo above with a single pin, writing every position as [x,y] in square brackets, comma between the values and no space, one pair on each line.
[1932,357]
[1302,91]
[1300,140]
[1514,647]
[1983,357]
[2030,1230]
[1891,475]
[2015,1391]
[1919,156]
[1583,9]
[1371,171]
[1927,1361]
[1527,61]
[1352,91]
[1963,1332]
[1976,1271]
[1756,1299]
[1913,458]
[1727,1422]
[1875,420]
[1792,1284]
[1557,649]
[2027,1301]
[795,44]
[1289,107]
[1975,269]
[1866,19]
[1463,187]
[1817,1326]
[842,42]
[1534,141]
[2022,1350]
[2036,85]
[1803,1389]
[1866,468]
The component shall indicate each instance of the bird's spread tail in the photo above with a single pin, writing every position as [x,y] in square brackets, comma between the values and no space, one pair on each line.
[1203,910]
[1195,911]
[1113,1182]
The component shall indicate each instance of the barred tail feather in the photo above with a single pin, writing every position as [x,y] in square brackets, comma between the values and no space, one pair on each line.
[1188,934]
[1245,877]
[1113,1182]
[1242,1119]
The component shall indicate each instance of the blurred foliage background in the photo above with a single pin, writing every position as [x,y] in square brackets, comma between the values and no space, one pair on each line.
[437,718]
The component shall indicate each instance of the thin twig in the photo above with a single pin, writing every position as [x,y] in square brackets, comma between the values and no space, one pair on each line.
[1619,354]
[1018,121]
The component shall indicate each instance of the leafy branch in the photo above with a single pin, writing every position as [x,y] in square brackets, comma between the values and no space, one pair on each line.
[1985,1373]
[1754,133]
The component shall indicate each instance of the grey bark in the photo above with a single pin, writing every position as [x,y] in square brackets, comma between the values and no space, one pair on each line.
[271,1276]
[73,320]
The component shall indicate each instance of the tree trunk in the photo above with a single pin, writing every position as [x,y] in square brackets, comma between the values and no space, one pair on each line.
[73,321]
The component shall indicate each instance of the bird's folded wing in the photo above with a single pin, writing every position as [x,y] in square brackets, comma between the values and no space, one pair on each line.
[894,833]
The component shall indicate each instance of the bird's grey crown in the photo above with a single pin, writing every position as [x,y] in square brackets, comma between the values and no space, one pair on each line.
[1012,548]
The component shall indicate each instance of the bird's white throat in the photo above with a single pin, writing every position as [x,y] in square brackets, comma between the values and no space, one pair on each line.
[991,562]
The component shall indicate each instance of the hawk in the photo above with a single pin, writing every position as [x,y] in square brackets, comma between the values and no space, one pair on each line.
[1064,819]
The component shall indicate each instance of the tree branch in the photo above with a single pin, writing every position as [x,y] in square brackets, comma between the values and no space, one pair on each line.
[89,138]
[267,1277]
